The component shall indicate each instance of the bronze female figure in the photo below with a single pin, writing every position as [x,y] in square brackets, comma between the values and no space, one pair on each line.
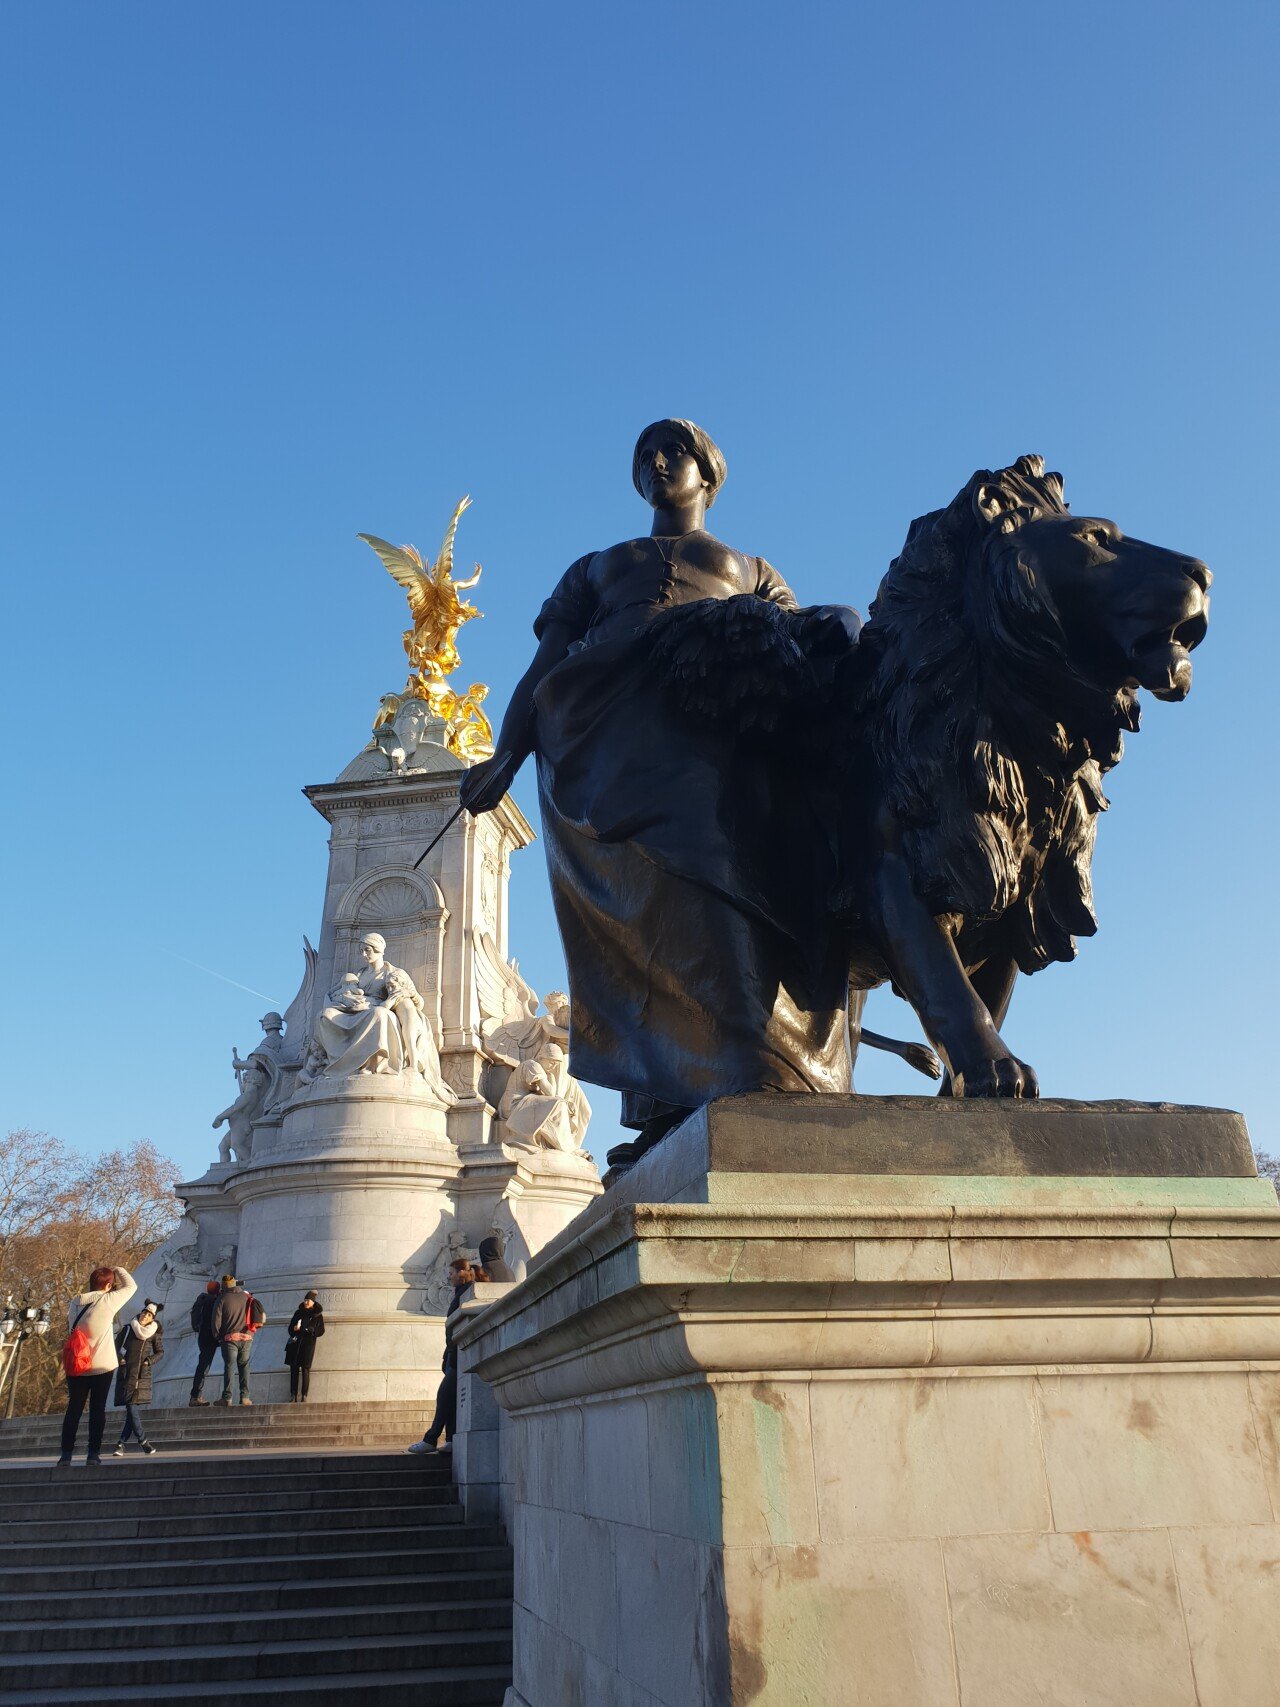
[688,848]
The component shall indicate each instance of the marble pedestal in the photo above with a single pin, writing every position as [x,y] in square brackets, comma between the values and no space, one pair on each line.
[362,1195]
[895,1401]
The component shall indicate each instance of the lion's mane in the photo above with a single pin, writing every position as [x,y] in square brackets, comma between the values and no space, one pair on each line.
[989,744]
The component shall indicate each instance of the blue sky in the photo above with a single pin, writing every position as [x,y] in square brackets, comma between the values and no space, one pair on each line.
[274,275]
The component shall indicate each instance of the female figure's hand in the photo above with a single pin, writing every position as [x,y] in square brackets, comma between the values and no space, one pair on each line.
[831,628]
[485,784]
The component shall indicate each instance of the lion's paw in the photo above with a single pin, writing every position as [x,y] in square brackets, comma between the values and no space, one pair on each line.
[999,1076]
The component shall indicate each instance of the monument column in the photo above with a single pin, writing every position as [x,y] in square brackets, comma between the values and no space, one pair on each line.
[365,1148]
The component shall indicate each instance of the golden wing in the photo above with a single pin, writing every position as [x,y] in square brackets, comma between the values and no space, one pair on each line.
[443,571]
[404,565]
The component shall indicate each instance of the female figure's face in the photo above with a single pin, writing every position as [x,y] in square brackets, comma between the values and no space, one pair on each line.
[669,472]
[370,954]
[308,1303]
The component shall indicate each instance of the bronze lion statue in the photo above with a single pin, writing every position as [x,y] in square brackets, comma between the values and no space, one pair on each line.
[989,693]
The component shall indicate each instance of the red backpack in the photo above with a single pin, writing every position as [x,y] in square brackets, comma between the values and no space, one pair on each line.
[77,1348]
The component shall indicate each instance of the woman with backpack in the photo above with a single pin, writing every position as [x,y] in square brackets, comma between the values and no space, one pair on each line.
[304,1330]
[139,1346]
[89,1356]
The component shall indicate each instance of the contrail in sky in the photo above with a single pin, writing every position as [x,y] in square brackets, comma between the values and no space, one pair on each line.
[222,975]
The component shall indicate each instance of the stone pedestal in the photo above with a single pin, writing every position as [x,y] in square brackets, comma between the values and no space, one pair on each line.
[857,1400]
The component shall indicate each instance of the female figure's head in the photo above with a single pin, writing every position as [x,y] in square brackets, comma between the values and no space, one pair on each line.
[102,1280]
[460,1271]
[310,1302]
[675,463]
[373,947]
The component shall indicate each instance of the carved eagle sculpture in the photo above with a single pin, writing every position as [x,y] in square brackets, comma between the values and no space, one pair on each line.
[437,611]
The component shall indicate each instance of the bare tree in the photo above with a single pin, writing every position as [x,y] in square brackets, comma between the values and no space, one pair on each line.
[60,1216]
[34,1171]
[1268,1166]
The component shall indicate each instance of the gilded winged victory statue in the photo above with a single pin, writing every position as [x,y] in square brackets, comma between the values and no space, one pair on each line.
[438,612]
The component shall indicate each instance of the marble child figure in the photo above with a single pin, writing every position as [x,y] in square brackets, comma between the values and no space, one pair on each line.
[699,961]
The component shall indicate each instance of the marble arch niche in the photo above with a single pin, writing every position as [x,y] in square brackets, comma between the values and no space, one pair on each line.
[408,909]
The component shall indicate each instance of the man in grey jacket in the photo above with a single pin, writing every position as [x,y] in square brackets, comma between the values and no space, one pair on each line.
[233,1329]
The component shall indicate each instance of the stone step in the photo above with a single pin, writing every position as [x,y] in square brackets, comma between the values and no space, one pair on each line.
[143,1502]
[353,1407]
[479,1549]
[208,1518]
[432,1686]
[225,1662]
[212,1468]
[216,1626]
[279,1438]
[170,1609]
[409,1536]
[162,1416]
[254,1560]
[234,1416]
[231,1416]
[376,1424]
[107,1495]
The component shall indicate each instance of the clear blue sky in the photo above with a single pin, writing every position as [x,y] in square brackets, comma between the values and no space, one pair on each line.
[275,274]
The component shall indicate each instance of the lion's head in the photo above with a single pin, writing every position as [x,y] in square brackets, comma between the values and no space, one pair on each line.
[998,669]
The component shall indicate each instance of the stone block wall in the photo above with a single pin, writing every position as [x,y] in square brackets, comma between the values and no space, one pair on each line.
[620,1595]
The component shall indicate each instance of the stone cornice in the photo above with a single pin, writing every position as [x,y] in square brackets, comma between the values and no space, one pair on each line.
[429,789]
[660,1291]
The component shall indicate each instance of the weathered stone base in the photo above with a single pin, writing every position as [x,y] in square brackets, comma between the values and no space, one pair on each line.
[773,1444]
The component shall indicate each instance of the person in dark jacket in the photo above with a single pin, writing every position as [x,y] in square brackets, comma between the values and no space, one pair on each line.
[206,1345]
[304,1330]
[493,1258]
[462,1275]
[139,1346]
[234,1328]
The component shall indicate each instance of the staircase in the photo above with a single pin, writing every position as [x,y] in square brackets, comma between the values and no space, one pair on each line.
[387,1424]
[335,1577]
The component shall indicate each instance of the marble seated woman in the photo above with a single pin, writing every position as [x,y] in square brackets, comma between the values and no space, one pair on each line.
[375,1023]
[532,1112]
[689,859]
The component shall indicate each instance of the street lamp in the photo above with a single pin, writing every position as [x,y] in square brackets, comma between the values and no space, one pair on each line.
[17,1326]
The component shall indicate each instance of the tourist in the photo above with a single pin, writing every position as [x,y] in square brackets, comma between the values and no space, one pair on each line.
[139,1346]
[492,1256]
[304,1330]
[462,1274]
[91,1343]
[206,1345]
[237,1316]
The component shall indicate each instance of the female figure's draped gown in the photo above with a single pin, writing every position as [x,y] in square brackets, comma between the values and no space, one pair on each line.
[689,862]
[365,1041]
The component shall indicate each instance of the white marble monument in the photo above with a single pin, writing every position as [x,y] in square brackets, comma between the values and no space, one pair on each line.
[412,1099]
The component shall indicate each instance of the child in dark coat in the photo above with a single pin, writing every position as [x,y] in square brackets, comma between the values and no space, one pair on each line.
[139,1346]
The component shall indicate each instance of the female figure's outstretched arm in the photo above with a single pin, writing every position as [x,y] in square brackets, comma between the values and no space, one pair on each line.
[485,784]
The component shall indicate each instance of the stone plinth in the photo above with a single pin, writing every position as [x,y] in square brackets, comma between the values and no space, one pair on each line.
[899,1401]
